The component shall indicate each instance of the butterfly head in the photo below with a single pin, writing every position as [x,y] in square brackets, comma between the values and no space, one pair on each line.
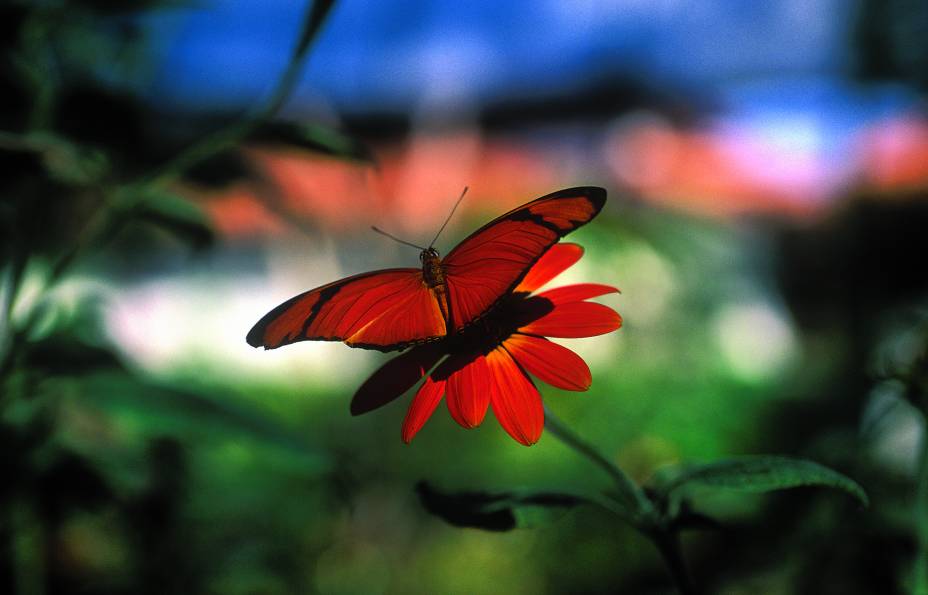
[428,254]
[432,271]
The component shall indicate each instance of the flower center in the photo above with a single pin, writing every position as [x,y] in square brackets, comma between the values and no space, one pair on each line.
[511,314]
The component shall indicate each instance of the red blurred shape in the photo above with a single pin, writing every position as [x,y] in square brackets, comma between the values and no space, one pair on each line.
[238,212]
[894,154]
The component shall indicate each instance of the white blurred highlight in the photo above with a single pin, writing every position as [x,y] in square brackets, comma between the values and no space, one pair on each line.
[197,325]
[648,282]
[757,341]
[893,430]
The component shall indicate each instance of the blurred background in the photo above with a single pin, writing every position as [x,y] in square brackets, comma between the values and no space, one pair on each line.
[172,170]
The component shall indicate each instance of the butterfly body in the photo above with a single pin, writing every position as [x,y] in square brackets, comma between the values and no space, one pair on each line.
[392,309]
[433,276]
[433,273]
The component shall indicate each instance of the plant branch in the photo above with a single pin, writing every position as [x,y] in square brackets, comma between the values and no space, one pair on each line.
[668,544]
[628,490]
[8,335]
[227,137]
[920,579]
[644,515]
[118,203]
[124,199]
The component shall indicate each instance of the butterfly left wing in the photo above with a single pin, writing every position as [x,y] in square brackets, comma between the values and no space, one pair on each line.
[491,262]
[385,310]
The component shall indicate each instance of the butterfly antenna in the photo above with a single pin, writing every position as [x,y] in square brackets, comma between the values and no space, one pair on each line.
[450,215]
[396,239]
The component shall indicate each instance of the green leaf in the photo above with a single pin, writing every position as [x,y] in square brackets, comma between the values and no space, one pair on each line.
[313,137]
[221,170]
[66,162]
[151,410]
[758,474]
[496,512]
[177,215]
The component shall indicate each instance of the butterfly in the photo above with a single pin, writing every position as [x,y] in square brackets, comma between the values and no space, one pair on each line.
[392,309]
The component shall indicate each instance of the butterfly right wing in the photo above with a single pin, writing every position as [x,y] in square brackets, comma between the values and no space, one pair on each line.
[491,262]
[385,310]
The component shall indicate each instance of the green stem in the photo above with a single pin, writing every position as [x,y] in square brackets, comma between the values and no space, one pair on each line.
[668,544]
[40,72]
[9,338]
[28,549]
[9,335]
[118,203]
[126,198]
[17,268]
[227,137]
[920,582]
[644,516]
[628,490]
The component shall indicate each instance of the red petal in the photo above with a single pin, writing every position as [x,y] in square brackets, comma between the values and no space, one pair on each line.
[422,406]
[575,319]
[516,402]
[468,389]
[395,377]
[555,261]
[577,293]
[549,362]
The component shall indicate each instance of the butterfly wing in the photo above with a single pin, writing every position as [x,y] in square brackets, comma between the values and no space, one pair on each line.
[392,309]
[492,261]
[384,310]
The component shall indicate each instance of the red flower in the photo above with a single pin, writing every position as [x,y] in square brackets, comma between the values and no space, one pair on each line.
[488,363]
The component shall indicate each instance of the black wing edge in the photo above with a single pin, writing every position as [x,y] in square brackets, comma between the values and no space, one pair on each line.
[595,194]
[255,336]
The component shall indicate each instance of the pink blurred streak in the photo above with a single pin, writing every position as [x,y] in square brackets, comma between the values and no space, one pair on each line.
[719,171]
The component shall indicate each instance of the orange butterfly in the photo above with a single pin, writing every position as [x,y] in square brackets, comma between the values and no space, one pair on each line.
[393,309]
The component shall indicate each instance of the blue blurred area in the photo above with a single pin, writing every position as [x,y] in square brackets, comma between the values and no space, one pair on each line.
[777,82]
[396,55]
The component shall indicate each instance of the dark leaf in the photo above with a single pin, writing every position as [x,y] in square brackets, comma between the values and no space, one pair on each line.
[177,215]
[221,170]
[66,162]
[495,512]
[112,121]
[67,338]
[68,355]
[313,137]
[71,481]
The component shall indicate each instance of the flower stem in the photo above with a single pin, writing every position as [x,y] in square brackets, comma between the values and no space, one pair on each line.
[668,544]
[643,515]
[631,495]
